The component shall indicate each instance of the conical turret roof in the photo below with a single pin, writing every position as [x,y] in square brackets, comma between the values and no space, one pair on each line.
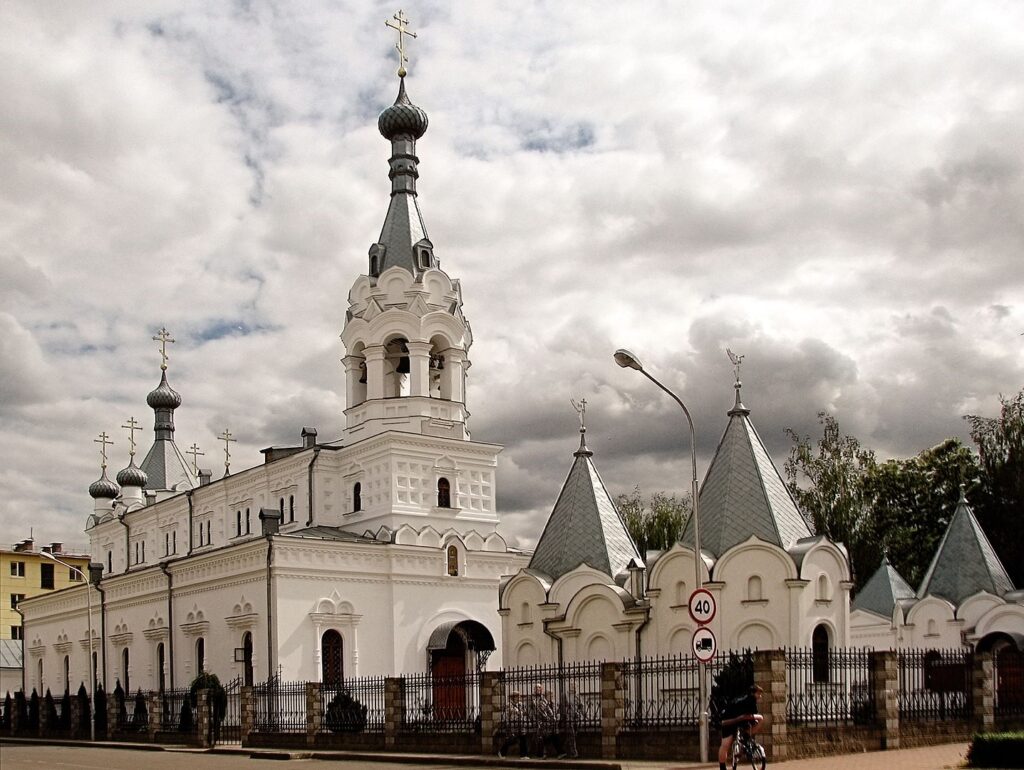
[965,562]
[883,590]
[585,526]
[743,493]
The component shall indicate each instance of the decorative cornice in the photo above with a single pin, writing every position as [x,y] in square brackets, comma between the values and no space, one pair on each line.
[199,628]
[121,640]
[156,634]
[242,622]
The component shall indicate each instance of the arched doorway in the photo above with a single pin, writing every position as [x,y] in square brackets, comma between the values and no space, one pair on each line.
[1009,668]
[454,649]
[247,673]
[820,654]
[332,666]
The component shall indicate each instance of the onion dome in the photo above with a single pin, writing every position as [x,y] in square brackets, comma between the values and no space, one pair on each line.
[164,397]
[104,488]
[402,118]
[133,475]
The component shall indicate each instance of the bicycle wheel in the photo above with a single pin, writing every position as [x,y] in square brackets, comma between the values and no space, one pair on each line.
[737,755]
[755,751]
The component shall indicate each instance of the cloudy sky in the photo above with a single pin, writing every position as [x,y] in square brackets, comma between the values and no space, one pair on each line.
[834,190]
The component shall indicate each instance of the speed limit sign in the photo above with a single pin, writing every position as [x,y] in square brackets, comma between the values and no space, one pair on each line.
[702,606]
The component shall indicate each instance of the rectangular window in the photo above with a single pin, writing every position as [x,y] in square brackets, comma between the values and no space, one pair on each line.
[17,569]
[174,541]
[46,576]
[16,632]
[15,599]
[110,561]
[75,576]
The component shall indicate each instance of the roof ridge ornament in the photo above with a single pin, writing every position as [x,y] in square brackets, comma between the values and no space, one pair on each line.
[228,440]
[131,426]
[581,410]
[737,362]
[104,441]
[400,25]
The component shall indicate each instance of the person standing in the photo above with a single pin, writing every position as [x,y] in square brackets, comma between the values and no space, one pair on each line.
[514,721]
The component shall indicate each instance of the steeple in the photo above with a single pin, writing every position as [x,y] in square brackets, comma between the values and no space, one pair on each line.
[965,562]
[585,526]
[743,493]
[164,465]
[883,591]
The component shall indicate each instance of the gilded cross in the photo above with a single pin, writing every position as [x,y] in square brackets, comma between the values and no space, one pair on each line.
[400,25]
[581,410]
[196,454]
[131,426]
[163,337]
[104,441]
[228,440]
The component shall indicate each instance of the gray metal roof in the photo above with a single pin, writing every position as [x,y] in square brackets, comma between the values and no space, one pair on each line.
[584,526]
[743,493]
[10,653]
[965,562]
[166,467]
[322,532]
[882,591]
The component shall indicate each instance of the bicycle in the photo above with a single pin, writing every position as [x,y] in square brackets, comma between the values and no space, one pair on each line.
[745,748]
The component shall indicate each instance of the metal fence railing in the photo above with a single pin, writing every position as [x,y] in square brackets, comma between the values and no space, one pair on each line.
[829,686]
[664,692]
[179,713]
[280,707]
[1009,682]
[229,727]
[441,704]
[572,692]
[935,685]
[356,705]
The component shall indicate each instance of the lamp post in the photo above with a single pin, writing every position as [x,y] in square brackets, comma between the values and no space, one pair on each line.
[627,360]
[92,668]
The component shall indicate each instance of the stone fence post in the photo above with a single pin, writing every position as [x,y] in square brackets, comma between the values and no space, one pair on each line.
[155,704]
[613,708]
[247,709]
[983,692]
[394,709]
[76,718]
[314,712]
[204,722]
[112,713]
[44,718]
[770,676]
[885,687]
[492,687]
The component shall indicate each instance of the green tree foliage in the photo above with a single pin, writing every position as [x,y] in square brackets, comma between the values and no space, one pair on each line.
[1000,442]
[657,523]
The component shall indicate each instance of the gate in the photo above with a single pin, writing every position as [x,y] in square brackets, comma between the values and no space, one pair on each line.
[227,722]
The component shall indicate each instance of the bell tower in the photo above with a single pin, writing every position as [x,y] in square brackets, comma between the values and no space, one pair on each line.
[406,339]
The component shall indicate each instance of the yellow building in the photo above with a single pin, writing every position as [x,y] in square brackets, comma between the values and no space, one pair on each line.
[25,572]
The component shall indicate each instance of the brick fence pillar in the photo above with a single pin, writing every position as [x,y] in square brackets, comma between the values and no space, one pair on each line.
[492,687]
[16,713]
[314,712]
[76,717]
[204,722]
[155,705]
[44,718]
[770,676]
[112,713]
[247,709]
[885,686]
[983,692]
[613,708]
[394,709]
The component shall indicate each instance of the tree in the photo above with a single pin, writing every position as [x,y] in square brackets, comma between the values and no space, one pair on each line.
[655,524]
[1000,442]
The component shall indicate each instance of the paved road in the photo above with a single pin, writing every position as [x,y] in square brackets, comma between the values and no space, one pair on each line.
[42,757]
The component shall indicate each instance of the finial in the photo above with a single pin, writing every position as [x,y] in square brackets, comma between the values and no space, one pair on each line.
[400,25]
[131,426]
[963,495]
[163,337]
[104,441]
[194,451]
[737,361]
[581,410]
[228,440]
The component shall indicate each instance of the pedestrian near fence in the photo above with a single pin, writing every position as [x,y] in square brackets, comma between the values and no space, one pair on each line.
[513,726]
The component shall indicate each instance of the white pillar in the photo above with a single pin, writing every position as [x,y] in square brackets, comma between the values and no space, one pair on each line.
[355,391]
[419,368]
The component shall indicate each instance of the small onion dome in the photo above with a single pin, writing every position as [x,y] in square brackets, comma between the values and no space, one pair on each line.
[132,476]
[104,488]
[164,397]
[403,117]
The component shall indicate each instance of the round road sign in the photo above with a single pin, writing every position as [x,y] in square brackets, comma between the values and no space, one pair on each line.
[702,606]
[704,644]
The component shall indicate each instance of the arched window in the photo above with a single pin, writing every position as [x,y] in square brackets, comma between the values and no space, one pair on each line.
[238,523]
[110,561]
[824,589]
[754,589]
[280,507]
[124,670]
[820,654]
[525,613]
[932,629]
[67,674]
[332,666]
[453,561]
[291,508]
[209,539]
[161,681]
[40,675]
[248,522]
[95,670]
[682,597]
[200,655]
[357,497]
[444,493]
[247,673]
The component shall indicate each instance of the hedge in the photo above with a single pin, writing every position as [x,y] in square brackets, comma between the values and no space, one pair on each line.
[1004,750]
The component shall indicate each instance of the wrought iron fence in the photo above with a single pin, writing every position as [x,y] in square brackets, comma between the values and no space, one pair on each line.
[179,712]
[280,707]
[829,686]
[1009,682]
[357,705]
[441,704]
[573,691]
[935,684]
[229,728]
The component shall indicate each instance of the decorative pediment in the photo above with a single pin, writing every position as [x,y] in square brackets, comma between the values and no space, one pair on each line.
[195,623]
[36,648]
[334,611]
[63,644]
[242,616]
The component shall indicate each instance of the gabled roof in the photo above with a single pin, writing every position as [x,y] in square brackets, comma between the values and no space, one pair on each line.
[965,562]
[743,493]
[166,468]
[584,526]
[883,590]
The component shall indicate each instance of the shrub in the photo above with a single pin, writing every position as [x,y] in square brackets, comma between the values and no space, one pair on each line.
[140,717]
[50,709]
[185,722]
[345,714]
[65,712]
[99,705]
[5,722]
[733,680]
[33,712]
[218,699]
[996,750]
[83,709]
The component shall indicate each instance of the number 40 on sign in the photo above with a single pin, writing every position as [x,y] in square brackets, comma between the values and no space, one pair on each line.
[702,606]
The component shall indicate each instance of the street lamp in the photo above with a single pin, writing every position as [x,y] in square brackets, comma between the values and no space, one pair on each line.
[92,668]
[627,360]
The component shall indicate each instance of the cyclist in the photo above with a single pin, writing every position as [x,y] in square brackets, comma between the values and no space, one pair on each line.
[741,709]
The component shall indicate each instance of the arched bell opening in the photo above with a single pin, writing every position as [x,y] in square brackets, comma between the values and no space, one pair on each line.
[396,368]
[440,385]
[355,367]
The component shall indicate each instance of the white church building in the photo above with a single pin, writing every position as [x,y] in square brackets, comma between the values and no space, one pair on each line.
[376,554]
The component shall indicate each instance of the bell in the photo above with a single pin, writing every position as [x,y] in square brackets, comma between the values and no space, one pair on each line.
[403,365]
[362,374]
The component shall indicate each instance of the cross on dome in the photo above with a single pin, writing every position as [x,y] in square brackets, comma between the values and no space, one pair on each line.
[131,426]
[400,24]
[104,441]
[228,440]
[163,337]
